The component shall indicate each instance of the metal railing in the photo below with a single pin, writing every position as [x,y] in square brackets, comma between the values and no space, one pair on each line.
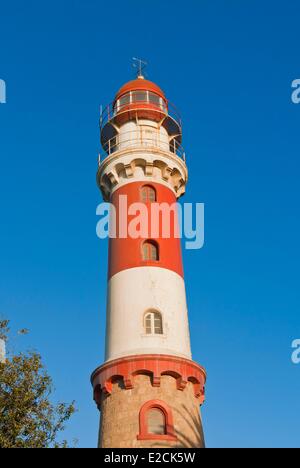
[137,139]
[110,111]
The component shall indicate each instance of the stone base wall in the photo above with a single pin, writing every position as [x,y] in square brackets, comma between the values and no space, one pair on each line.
[119,426]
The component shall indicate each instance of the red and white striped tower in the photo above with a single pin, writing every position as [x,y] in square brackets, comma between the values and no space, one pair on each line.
[149,389]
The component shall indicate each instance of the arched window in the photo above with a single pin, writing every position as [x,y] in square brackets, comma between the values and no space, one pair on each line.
[156,421]
[153,323]
[148,194]
[150,251]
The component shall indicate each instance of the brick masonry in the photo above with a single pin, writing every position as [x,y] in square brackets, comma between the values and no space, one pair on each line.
[119,424]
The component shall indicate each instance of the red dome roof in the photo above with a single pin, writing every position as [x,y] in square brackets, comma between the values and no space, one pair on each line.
[140,84]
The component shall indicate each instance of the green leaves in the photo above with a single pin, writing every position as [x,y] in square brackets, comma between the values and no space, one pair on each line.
[28,418]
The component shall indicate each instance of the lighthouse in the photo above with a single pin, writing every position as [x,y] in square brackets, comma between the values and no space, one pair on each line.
[148,390]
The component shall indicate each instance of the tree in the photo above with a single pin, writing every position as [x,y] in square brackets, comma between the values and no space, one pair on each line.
[28,418]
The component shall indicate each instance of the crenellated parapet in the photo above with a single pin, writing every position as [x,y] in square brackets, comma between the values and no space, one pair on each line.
[134,164]
[154,365]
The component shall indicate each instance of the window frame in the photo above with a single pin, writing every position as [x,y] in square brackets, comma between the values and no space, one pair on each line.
[146,188]
[141,93]
[143,424]
[148,258]
[153,314]
[124,104]
[160,103]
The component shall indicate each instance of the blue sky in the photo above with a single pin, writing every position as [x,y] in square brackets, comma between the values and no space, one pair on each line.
[228,66]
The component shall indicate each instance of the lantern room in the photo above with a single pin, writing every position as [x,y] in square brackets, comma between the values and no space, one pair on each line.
[140,104]
[140,98]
